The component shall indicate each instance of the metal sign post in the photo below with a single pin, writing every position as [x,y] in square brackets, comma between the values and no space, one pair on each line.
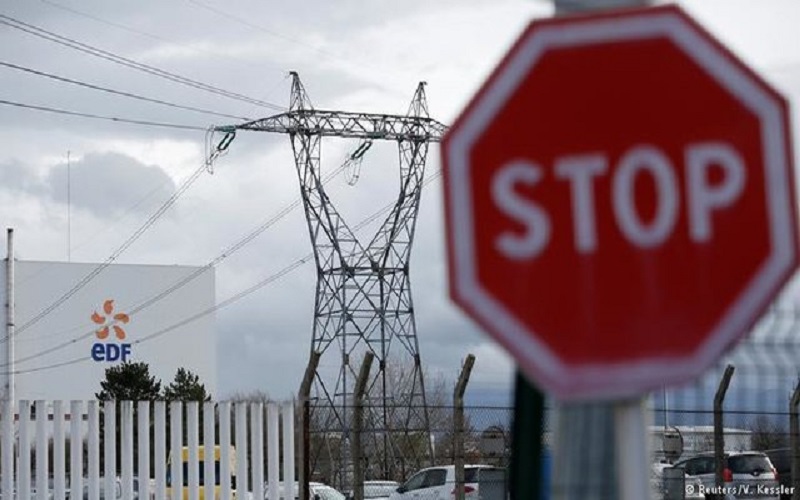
[526,447]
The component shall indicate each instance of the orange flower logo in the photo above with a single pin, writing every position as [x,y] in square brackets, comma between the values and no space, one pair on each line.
[99,319]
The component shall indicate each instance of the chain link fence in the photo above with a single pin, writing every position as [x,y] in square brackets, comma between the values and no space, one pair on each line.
[753,421]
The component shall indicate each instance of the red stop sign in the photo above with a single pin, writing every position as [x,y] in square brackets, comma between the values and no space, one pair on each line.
[619,202]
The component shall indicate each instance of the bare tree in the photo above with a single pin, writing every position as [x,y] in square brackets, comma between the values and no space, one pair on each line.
[767,434]
[255,396]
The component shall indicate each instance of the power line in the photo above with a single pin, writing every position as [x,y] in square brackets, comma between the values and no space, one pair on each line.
[275,34]
[115,222]
[125,245]
[116,92]
[130,63]
[254,26]
[67,112]
[227,302]
[147,34]
[191,277]
[104,21]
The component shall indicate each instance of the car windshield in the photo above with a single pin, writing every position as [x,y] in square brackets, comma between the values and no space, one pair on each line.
[748,464]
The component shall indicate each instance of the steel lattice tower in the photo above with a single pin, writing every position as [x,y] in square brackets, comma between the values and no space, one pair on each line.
[363,295]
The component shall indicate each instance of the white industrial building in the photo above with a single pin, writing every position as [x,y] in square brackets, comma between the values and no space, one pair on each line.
[694,439]
[58,352]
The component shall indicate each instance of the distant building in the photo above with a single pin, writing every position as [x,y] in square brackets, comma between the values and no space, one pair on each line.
[62,352]
[696,439]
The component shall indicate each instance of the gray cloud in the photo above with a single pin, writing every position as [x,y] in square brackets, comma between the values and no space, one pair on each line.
[351,55]
[107,184]
[16,177]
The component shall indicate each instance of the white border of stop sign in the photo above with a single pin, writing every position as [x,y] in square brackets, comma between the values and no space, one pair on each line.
[638,375]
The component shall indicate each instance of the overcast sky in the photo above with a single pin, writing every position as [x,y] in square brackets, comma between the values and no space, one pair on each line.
[351,55]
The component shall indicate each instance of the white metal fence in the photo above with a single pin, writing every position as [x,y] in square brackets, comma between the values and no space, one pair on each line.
[128,450]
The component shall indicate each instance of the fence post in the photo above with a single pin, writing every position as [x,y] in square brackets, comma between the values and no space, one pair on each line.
[209,479]
[192,420]
[257,447]
[719,438]
[59,467]
[458,424]
[93,470]
[794,442]
[287,418]
[240,437]
[225,471]
[7,469]
[143,434]
[176,449]
[160,449]
[75,446]
[42,466]
[24,450]
[358,424]
[109,449]
[304,427]
[126,448]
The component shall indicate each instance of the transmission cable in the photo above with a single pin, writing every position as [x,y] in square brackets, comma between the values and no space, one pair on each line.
[186,280]
[152,36]
[125,245]
[93,116]
[114,223]
[227,302]
[314,48]
[130,63]
[117,92]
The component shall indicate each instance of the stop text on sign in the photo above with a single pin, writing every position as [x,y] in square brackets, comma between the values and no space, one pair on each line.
[703,197]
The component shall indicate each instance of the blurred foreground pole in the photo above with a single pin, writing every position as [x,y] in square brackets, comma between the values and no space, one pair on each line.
[794,442]
[526,447]
[585,463]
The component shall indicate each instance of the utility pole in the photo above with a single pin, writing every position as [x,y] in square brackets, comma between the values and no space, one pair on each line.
[9,405]
[10,321]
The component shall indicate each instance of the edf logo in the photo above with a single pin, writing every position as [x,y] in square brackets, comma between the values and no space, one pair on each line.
[110,351]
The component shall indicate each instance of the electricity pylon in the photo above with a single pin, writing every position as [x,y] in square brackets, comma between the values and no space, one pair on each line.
[363,295]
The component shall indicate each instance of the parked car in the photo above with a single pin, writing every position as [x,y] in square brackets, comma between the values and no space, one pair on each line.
[660,485]
[439,483]
[747,474]
[317,491]
[377,490]
[781,458]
